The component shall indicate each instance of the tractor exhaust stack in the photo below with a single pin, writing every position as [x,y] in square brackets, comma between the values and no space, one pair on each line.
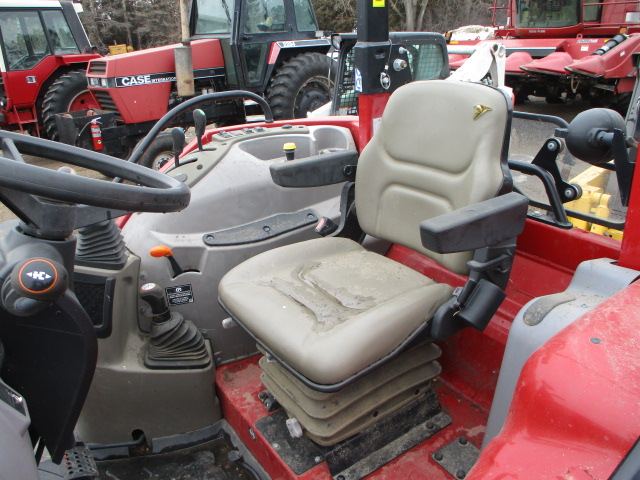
[183,57]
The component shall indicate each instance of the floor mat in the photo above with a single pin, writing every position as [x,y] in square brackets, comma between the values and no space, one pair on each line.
[214,460]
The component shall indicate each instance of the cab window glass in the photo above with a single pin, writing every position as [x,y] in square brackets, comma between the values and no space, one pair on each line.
[59,33]
[592,11]
[214,16]
[24,39]
[547,13]
[264,16]
[305,19]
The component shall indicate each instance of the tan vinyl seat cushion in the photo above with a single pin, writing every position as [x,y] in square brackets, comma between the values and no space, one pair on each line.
[328,307]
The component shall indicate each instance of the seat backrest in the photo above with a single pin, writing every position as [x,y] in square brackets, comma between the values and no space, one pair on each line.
[440,145]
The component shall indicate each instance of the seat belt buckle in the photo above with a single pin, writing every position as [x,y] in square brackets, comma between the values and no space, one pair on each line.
[326,226]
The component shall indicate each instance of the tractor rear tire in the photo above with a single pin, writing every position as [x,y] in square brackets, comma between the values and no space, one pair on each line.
[301,85]
[68,93]
[159,152]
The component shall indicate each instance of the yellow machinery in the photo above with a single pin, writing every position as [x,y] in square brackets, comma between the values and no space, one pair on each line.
[593,201]
[118,49]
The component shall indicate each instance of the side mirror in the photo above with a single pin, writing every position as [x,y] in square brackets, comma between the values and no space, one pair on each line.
[336,41]
[589,135]
[597,136]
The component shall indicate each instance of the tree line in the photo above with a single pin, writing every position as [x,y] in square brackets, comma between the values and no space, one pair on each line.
[149,23]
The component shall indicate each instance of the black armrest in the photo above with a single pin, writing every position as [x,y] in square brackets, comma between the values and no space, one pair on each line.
[326,169]
[483,224]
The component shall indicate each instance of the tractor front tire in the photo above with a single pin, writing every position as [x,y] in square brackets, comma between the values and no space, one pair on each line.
[159,152]
[301,85]
[68,93]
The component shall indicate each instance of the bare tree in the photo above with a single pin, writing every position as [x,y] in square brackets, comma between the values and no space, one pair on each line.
[126,23]
[138,23]
[411,13]
[157,22]
[336,15]
[443,15]
[150,23]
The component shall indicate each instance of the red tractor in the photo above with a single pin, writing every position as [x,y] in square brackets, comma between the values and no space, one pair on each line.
[45,52]
[388,299]
[272,48]
[566,46]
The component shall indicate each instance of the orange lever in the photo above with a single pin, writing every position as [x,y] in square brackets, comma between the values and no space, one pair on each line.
[161,251]
[164,251]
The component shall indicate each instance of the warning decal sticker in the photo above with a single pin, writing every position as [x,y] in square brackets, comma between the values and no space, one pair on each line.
[179,295]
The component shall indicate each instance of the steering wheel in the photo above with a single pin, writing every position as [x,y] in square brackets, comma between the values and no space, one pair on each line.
[36,193]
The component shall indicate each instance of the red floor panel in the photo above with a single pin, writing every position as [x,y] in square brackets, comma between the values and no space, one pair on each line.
[238,388]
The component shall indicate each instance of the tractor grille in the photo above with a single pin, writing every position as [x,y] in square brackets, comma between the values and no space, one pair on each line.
[97,67]
[106,102]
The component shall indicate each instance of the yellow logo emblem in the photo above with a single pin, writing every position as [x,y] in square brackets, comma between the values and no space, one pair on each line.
[479,110]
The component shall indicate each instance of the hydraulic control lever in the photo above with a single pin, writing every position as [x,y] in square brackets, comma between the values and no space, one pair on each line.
[33,284]
[200,121]
[177,135]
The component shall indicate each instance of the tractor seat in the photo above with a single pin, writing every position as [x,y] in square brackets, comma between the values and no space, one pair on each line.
[336,307]
[329,311]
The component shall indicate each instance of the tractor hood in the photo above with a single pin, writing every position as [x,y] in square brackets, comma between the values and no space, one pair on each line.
[154,60]
[138,85]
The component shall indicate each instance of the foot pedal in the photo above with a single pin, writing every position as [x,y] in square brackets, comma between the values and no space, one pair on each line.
[78,464]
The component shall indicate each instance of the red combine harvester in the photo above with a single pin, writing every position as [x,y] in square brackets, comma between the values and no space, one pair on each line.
[569,47]
[400,294]
[43,59]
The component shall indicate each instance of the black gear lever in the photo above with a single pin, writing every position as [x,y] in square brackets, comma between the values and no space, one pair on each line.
[174,343]
[153,295]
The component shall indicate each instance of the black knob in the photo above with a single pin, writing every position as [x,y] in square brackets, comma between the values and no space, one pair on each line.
[153,295]
[39,279]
